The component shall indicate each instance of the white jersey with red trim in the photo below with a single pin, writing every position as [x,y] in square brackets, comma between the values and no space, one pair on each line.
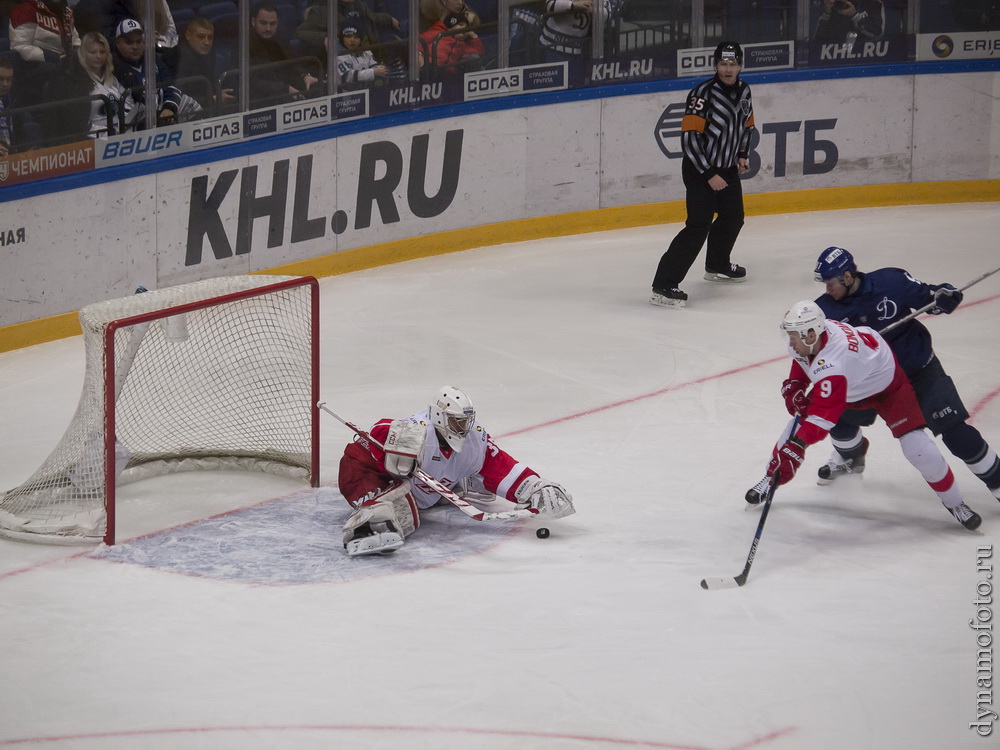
[853,364]
[501,474]
[40,33]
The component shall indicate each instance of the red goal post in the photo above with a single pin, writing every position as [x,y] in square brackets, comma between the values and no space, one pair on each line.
[215,374]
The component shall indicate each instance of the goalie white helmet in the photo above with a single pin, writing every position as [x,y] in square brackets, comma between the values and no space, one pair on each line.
[452,415]
[803,317]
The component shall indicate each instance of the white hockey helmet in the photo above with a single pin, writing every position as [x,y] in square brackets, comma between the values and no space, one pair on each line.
[803,317]
[452,415]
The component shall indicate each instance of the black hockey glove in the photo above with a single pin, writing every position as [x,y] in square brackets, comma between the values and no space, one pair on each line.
[947,298]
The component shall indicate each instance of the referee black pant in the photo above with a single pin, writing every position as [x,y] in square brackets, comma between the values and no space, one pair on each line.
[703,204]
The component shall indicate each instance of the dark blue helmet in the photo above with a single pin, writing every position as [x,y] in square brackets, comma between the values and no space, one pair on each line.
[832,264]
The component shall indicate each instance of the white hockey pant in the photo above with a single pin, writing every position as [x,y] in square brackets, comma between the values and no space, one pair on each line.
[921,451]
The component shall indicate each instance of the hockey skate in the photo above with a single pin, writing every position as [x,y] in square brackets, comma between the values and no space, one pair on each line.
[374,539]
[672,297]
[758,493]
[381,523]
[966,516]
[733,274]
[838,466]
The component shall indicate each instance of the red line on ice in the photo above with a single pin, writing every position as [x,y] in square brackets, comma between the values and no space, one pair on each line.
[590,739]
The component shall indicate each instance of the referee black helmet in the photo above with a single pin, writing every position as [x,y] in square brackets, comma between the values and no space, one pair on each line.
[730,51]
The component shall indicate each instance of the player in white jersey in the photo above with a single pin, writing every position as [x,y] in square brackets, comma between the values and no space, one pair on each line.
[451,447]
[842,366]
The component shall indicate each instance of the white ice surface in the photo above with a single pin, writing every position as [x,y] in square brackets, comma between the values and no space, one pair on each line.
[229,619]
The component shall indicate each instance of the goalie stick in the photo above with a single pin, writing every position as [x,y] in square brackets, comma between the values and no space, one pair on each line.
[712,584]
[932,305]
[446,492]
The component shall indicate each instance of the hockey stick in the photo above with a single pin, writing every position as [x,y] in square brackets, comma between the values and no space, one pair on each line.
[731,583]
[446,492]
[932,305]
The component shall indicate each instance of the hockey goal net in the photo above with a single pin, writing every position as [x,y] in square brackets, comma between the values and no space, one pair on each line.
[215,374]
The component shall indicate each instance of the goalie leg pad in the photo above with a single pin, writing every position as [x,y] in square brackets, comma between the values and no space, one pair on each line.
[381,523]
[548,498]
[403,447]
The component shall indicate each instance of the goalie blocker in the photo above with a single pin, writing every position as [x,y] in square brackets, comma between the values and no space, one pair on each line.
[381,476]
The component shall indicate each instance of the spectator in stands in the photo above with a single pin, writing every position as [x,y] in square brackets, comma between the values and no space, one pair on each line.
[350,13]
[129,62]
[18,131]
[567,27]
[978,15]
[312,31]
[844,21]
[105,15]
[43,31]
[6,104]
[432,11]
[92,73]
[457,51]
[273,77]
[193,63]
[357,67]
[43,34]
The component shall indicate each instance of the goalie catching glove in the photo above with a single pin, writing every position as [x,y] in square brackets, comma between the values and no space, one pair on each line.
[548,498]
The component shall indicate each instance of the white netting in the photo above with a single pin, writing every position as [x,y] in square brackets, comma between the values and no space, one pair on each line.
[226,386]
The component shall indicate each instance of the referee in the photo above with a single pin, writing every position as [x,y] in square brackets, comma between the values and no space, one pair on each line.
[715,136]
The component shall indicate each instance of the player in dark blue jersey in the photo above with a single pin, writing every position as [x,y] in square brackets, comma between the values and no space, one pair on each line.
[878,299]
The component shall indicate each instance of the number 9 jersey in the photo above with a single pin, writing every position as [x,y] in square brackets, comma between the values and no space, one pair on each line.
[854,368]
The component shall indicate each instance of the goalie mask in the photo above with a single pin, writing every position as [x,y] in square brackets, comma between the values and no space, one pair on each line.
[452,415]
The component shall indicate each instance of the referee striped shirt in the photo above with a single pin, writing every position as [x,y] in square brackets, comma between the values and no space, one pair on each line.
[717,126]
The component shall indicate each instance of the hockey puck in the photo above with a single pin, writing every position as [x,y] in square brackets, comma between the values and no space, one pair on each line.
[542,533]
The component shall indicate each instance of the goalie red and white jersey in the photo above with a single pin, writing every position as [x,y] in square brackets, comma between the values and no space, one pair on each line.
[501,473]
[853,364]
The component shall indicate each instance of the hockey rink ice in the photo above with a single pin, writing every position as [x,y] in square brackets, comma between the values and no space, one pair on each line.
[228,616]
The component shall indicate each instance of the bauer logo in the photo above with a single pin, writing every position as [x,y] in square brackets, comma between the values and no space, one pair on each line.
[124,149]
